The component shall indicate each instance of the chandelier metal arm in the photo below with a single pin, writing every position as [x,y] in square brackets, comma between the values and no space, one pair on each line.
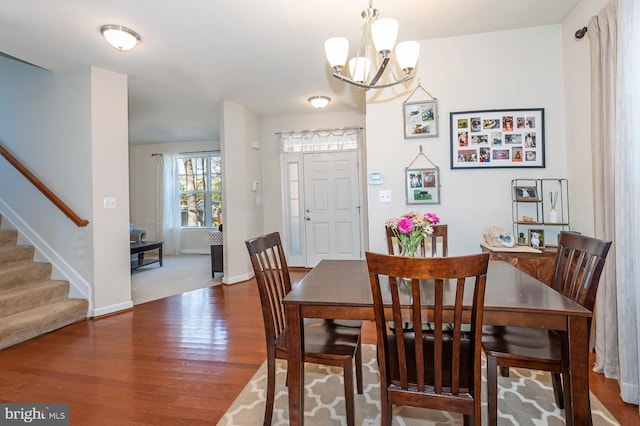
[383,66]
[371,86]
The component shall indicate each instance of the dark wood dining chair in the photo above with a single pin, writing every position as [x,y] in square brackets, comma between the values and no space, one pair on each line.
[437,369]
[579,263]
[430,244]
[325,342]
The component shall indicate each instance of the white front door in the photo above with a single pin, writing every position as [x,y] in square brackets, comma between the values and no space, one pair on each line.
[332,222]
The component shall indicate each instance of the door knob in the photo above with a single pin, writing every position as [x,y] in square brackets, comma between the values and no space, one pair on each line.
[308,210]
[308,218]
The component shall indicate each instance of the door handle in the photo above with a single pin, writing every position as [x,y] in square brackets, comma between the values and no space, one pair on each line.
[308,218]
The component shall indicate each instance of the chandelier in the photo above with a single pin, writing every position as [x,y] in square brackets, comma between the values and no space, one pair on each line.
[377,43]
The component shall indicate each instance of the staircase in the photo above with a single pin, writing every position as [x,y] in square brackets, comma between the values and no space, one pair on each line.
[31,304]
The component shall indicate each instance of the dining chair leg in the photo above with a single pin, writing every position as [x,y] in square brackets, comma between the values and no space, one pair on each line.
[557,389]
[358,360]
[348,391]
[385,410]
[271,387]
[492,390]
[470,420]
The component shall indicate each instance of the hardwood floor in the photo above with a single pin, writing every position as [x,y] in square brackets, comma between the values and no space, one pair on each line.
[175,361]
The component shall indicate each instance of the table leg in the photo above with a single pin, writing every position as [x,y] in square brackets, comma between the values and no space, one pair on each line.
[295,364]
[576,399]
[160,254]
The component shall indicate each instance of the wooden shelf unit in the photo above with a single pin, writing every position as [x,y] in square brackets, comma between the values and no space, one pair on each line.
[536,203]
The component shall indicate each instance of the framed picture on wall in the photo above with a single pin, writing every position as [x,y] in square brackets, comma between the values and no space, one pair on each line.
[422,186]
[497,139]
[420,119]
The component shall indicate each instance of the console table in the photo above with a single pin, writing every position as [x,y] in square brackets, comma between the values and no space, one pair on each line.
[216,243]
[540,264]
[143,247]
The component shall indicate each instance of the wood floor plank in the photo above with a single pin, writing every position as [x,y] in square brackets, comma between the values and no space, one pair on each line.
[176,361]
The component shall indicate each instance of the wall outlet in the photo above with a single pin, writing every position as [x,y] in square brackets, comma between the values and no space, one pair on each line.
[384,196]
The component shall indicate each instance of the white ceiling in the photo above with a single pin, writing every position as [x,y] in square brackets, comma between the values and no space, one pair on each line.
[265,54]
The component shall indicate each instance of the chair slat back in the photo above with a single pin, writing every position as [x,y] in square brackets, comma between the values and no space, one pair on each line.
[436,365]
[435,245]
[579,263]
[272,275]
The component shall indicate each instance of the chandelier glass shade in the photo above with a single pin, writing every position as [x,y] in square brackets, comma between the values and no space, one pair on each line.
[122,38]
[376,46]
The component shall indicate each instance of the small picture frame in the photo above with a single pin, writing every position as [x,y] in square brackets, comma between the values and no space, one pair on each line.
[536,238]
[420,119]
[422,186]
[525,193]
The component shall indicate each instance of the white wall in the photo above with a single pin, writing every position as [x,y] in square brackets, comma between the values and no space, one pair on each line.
[110,178]
[241,205]
[499,70]
[577,78]
[45,123]
[143,189]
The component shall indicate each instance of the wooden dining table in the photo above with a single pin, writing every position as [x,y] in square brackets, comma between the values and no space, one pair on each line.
[340,289]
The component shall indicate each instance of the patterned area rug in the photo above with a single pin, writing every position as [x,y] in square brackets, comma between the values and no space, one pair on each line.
[525,398]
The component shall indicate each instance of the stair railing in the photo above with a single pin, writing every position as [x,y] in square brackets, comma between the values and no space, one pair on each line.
[43,188]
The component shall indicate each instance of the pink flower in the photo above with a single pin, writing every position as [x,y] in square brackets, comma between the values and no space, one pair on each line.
[405,225]
[433,218]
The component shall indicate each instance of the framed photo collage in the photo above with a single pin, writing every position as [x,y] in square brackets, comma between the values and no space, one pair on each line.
[497,139]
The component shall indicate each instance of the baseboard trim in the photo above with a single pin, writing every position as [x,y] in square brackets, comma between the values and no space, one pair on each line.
[237,278]
[112,309]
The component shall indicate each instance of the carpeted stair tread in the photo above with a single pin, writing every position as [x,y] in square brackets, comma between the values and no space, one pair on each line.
[28,324]
[31,295]
[8,237]
[22,272]
[12,254]
[31,303]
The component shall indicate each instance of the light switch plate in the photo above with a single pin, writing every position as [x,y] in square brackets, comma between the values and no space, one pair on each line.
[109,202]
[384,196]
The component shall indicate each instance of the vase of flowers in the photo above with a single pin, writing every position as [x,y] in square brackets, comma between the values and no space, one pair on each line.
[411,229]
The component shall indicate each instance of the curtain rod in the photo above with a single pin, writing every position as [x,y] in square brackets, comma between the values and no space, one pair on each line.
[581,32]
[319,130]
[190,152]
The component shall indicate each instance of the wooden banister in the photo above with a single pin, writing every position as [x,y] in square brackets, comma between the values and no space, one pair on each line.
[43,188]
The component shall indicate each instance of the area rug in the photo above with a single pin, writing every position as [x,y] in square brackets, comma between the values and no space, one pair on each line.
[178,274]
[525,398]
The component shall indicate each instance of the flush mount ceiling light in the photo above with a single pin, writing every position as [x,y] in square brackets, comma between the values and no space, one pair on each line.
[122,38]
[379,36]
[319,101]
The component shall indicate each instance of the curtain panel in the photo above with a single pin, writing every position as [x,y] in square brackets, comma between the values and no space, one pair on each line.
[615,108]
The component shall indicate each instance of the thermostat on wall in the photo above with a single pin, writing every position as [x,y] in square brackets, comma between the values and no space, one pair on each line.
[375,179]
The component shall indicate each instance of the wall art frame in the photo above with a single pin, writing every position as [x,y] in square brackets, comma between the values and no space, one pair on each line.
[422,185]
[500,138]
[420,119]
